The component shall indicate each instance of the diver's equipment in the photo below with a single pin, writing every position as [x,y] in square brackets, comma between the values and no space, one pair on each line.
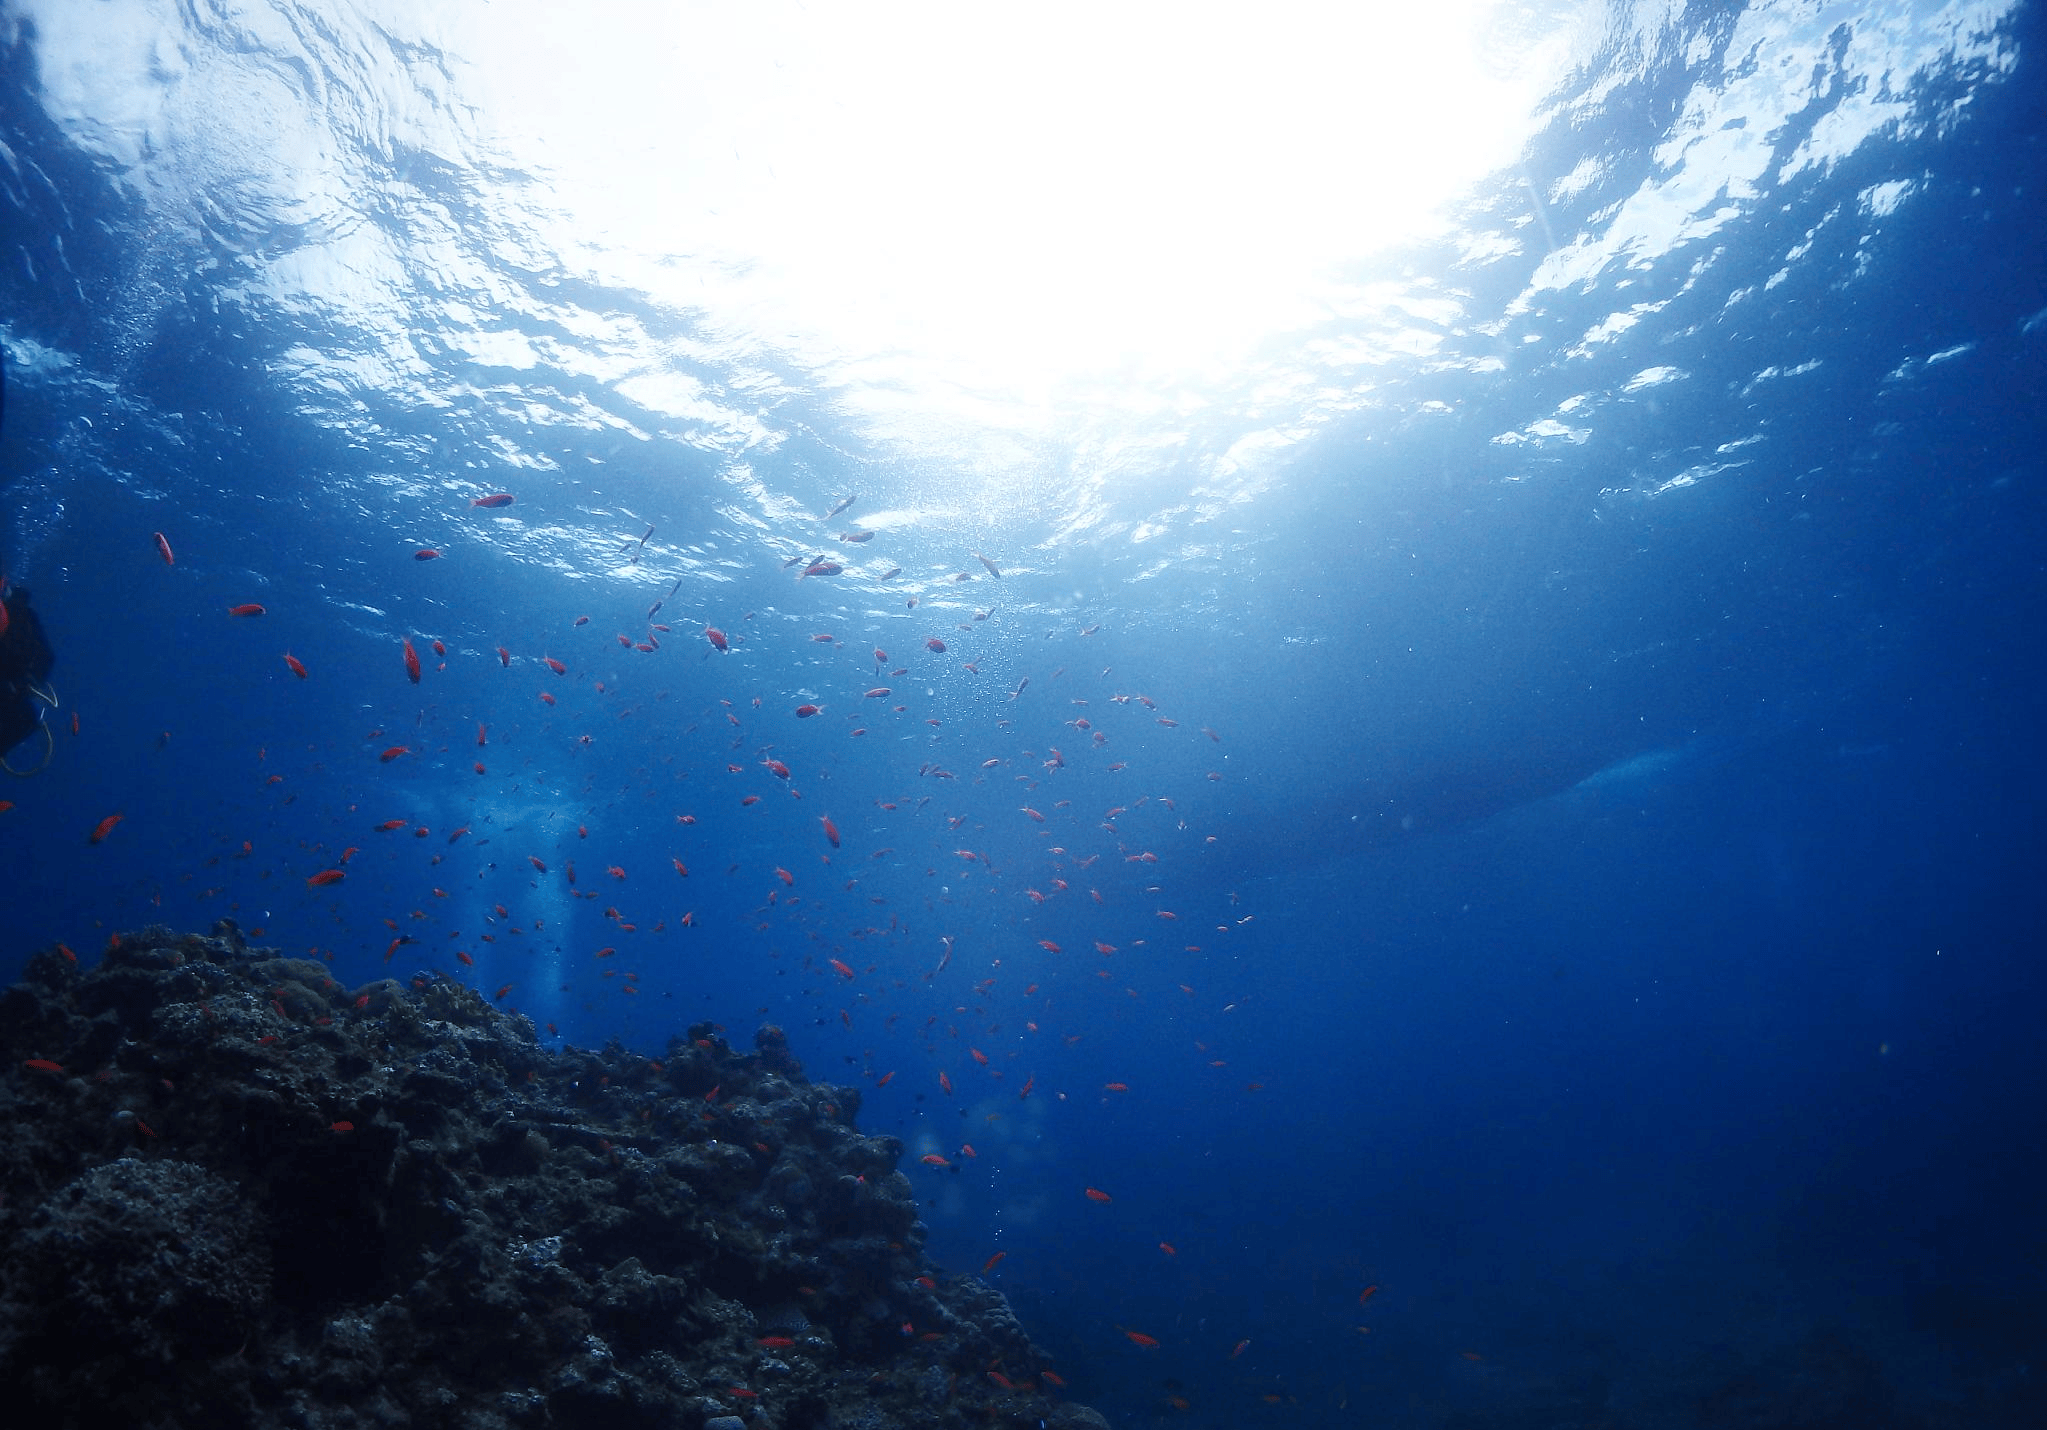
[44,696]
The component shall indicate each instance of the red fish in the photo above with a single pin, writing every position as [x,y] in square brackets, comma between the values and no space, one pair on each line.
[1139,1338]
[804,712]
[946,1083]
[932,1159]
[426,553]
[879,692]
[989,1265]
[163,549]
[1096,1194]
[840,967]
[935,644]
[411,663]
[297,666]
[440,649]
[554,665]
[494,500]
[504,658]
[248,608]
[822,568]
[42,1065]
[717,638]
[104,828]
[391,754]
[785,876]
[831,830]
[390,824]
[325,877]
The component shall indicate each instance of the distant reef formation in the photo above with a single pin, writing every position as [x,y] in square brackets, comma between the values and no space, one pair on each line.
[236,1193]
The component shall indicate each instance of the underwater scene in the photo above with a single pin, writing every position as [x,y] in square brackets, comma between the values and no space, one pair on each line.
[826,717]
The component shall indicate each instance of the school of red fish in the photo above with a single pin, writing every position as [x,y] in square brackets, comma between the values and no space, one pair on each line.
[998,829]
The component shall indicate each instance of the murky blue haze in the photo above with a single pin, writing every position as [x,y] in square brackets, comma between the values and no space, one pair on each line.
[1532,780]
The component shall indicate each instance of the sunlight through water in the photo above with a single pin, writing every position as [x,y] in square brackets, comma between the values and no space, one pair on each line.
[973,212]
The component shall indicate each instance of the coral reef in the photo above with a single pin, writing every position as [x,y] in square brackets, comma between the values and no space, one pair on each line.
[237,1193]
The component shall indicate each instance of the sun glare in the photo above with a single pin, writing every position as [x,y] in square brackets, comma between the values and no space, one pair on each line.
[1003,202]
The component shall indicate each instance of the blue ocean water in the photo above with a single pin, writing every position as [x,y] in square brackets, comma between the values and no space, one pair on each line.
[1523,792]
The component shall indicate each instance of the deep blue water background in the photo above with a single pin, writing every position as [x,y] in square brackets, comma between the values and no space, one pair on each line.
[1641,983]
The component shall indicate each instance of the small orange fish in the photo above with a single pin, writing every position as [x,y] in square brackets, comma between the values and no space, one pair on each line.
[42,1065]
[785,876]
[104,828]
[554,665]
[1240,1348]
[1115,1087]
[1096,1194]
[831,830]
[1139,1338]
[247,608]
[341,1127]
[1169,1249]
[804,712]
[504,658]
[717,638]
[841,968]
[1366,1294]
[411,663]
[163,549]
[391,754]
[989,1265]
[945,1083]
[325,877]
[426,553]
[932,1159]
[935,644]
[979,1056]
[494,500]
[297,666]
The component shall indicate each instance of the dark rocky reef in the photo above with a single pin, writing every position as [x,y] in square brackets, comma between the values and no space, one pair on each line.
[236,1193]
